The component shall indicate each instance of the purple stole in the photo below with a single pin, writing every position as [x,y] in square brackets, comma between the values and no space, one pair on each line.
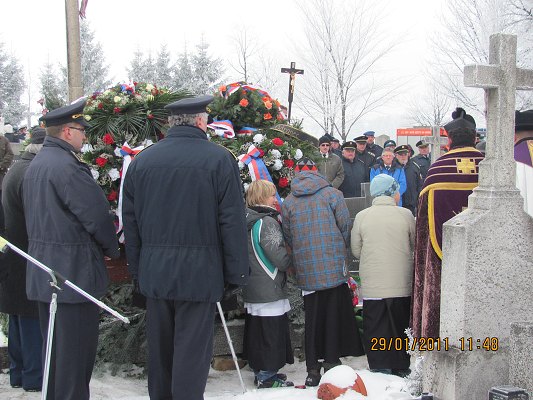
[523,151]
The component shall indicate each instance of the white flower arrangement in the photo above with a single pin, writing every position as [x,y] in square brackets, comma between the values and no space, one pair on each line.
[258,138]
[298,154]
[275,153]
[113,174]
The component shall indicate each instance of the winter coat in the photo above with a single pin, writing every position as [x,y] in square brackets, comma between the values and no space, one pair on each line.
[316,226]
[267,256]
[375,149]
[414,182]
[424,162]
[6,157]
[331,168]
[367,157]
[395,170]
[184,218]
[383,238]
[355,173]
[13,299]
[69,223]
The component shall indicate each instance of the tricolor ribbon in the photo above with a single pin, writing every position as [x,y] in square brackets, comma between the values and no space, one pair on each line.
[256,166]
[128,153]
[223,128]
[246,131]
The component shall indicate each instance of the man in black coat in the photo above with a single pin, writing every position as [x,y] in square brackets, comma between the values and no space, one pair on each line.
[423,158]
[355,171]
[413,177]
[371,146]
[70,229]
[25,341]
[185,231]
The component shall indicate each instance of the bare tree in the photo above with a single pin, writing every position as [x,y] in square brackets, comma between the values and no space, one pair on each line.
[246,47]
[344,49]
[431,109]
[464,39]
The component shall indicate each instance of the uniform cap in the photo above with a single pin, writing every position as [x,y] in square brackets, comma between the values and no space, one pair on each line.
[370,133]
[401,149]
[389,143]
[350,144]
[190,105]
[360,139]
[71,113]
[422,143]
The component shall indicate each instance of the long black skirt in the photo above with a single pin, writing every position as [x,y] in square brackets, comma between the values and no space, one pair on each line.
[267,342]
[384,321]
[330,327]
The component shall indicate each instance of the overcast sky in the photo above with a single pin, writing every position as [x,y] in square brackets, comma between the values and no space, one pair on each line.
[34,30]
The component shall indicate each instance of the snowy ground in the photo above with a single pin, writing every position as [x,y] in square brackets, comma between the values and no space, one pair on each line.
[225,386]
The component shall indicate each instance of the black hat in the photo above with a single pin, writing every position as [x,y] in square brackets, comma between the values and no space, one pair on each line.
[523,120]
[64,115]
[324,139]
[370,133]
[461,120]
[350,144]
[37,135]
[191,105]
[403,148]
[388,143]
[360,139]
[422,143]
[305,164]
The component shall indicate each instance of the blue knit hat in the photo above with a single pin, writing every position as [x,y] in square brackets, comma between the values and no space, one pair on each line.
[383,185]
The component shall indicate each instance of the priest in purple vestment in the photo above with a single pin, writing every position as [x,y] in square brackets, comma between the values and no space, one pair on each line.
[449,182]
[523,155]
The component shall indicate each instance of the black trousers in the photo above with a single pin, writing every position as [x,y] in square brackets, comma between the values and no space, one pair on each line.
[180,348]
[73,350]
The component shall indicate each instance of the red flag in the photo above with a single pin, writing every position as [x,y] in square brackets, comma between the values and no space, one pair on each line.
[83,6]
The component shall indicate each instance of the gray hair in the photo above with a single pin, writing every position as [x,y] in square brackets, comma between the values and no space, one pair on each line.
[34,148]
[185,119]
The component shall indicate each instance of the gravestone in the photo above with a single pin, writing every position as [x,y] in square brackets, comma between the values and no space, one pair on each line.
[356,204]
[521,356]
[487,266]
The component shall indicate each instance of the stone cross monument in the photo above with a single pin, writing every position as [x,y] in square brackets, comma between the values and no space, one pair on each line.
[487,267]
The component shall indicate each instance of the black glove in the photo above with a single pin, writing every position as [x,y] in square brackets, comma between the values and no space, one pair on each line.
[137,299]
[232,297]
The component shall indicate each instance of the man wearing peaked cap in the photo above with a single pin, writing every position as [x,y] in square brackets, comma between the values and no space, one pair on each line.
[372,147]
[183,210]
[355,171]
[413,177]
[329,164]
[523,155]
[362,152]
[336,147]
[389,144]
[449,182]
[70,228]
[423,158]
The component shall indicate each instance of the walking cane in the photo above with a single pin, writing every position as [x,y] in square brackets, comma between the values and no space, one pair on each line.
[230,343]
[56,280]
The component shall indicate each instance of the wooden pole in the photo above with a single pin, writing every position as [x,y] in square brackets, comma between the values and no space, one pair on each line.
[75,87]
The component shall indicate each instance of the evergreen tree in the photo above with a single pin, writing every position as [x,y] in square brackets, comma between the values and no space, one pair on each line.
[52,88]
[142,69]
[183,77]
[11,88]
[207,71]
[150,71]
[163,68]
[94,72]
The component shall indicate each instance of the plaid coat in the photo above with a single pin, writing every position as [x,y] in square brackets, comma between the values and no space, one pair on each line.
[316,226]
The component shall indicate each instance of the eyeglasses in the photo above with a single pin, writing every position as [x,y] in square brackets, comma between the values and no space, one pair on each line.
[82,130]
[324,145]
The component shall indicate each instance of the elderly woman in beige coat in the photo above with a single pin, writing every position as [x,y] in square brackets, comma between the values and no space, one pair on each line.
[383,240]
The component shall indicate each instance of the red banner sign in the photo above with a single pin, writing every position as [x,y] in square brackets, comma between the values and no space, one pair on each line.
[418,132]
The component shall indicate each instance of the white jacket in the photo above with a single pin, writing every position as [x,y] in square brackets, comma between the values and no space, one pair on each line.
[383,238]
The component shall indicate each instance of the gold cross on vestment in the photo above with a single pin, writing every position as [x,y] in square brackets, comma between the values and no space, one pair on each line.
[465,165]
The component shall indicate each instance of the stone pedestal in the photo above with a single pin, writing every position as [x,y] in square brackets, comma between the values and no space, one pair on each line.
[521,356]
[487,272]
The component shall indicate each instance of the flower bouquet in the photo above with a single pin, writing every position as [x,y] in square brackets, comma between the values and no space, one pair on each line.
[249,123]
[123,119]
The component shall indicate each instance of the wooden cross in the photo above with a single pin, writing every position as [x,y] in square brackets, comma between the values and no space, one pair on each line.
[500,79]
[292,71]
